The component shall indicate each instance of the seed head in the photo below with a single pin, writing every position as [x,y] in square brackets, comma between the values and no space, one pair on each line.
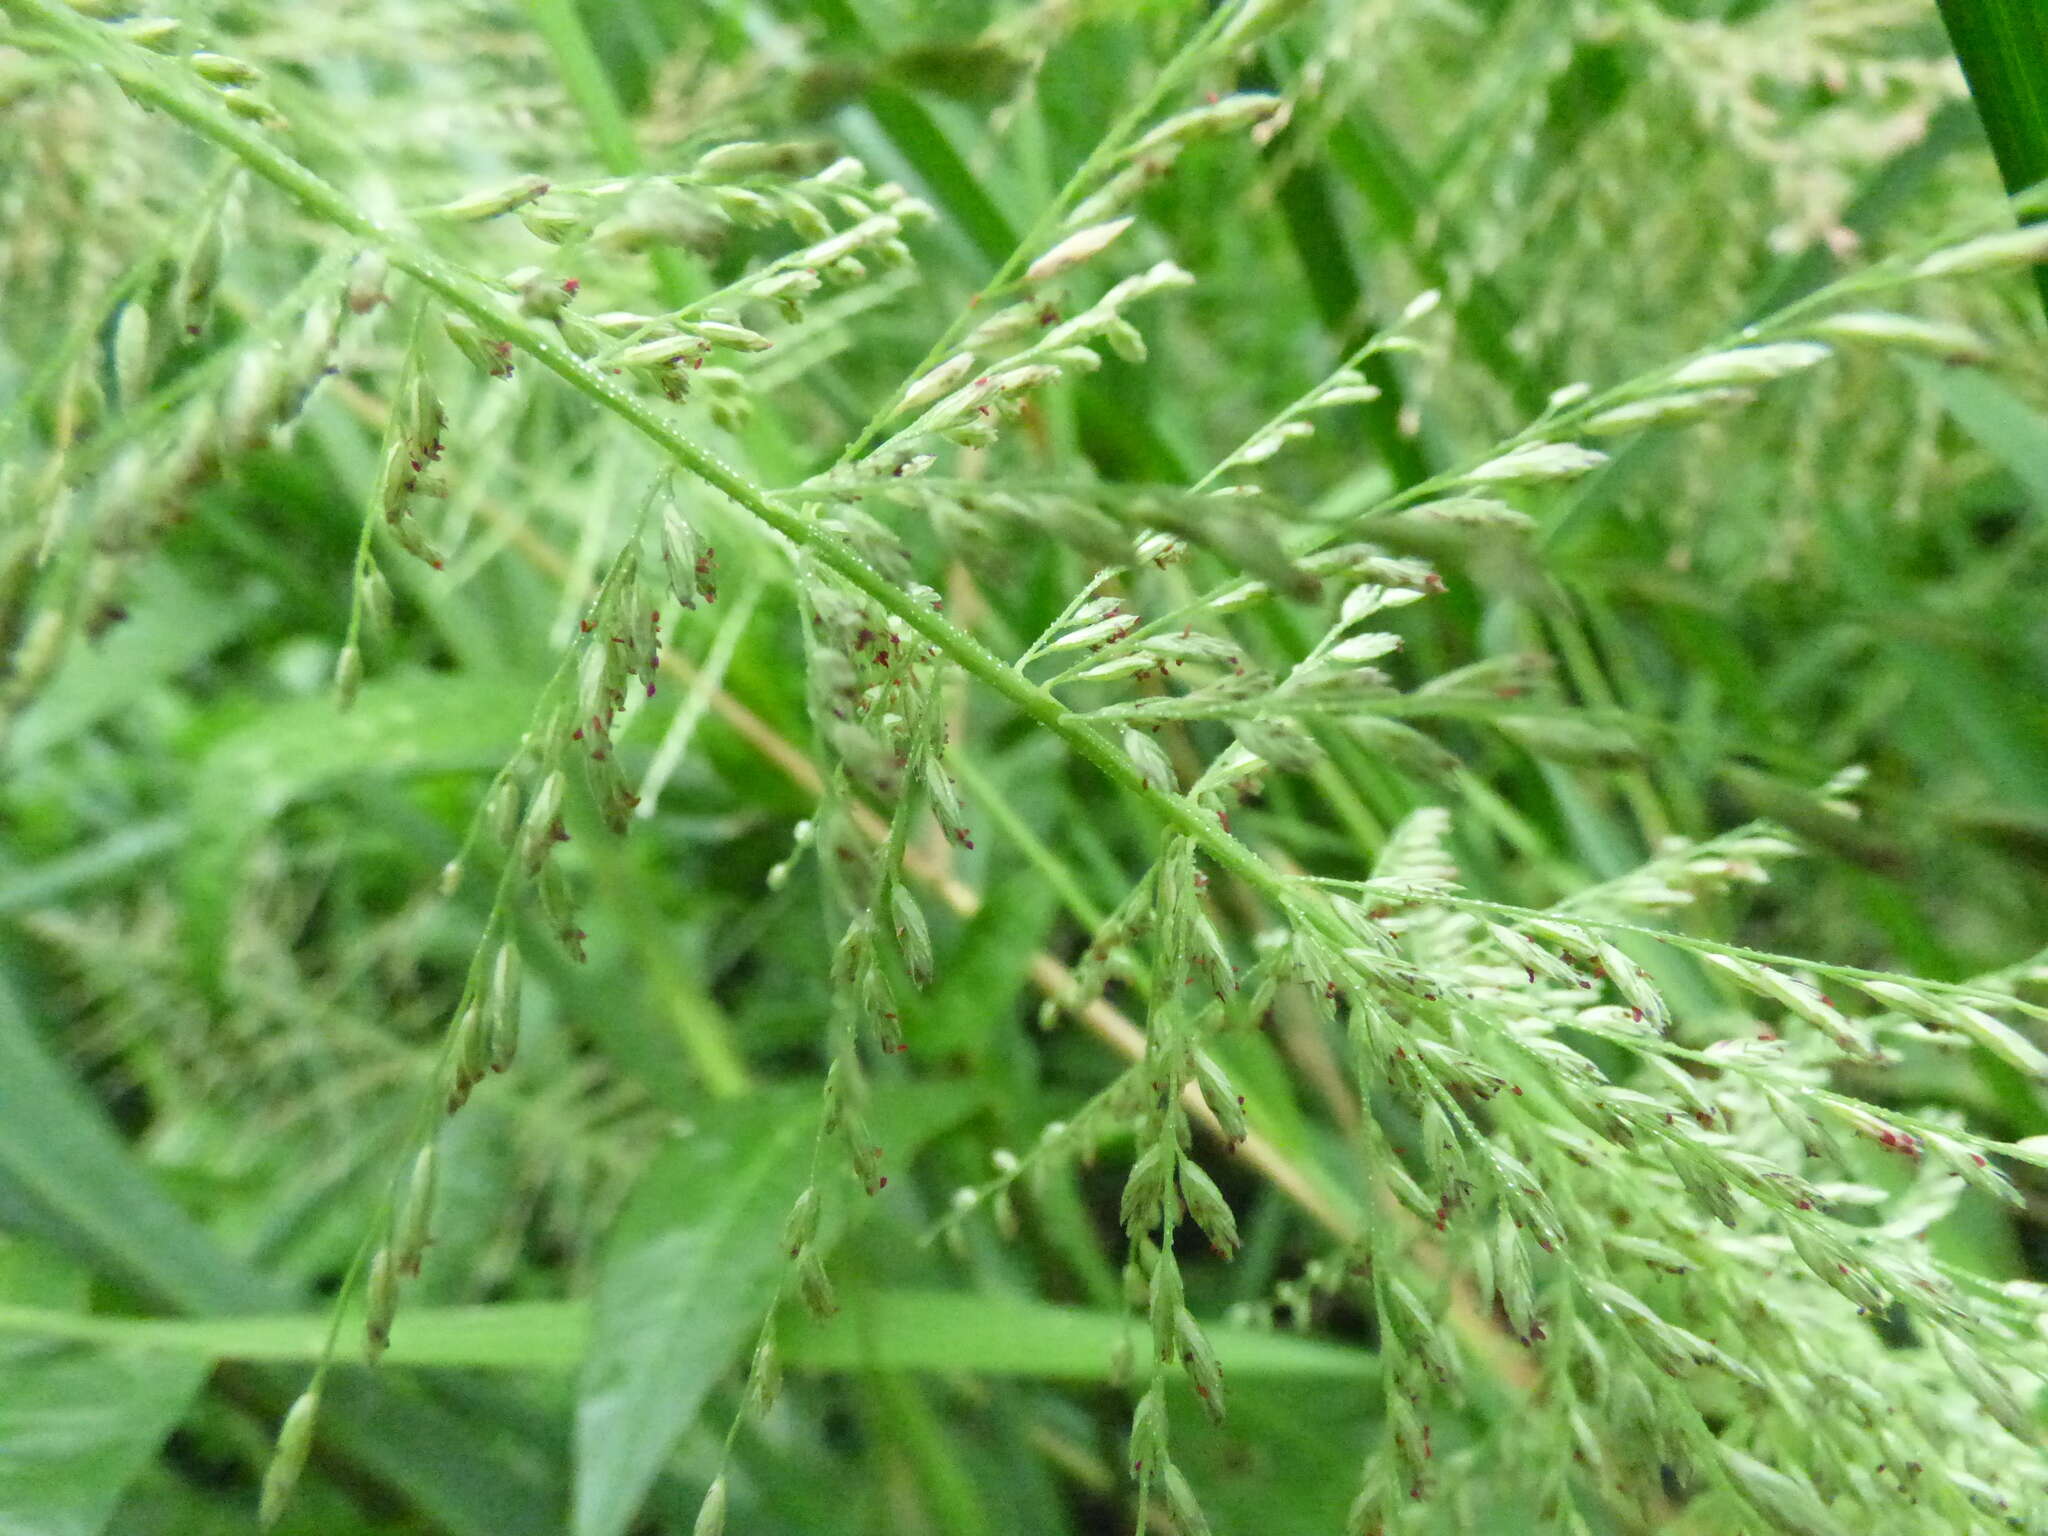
[711,1513]
[1535,463]
[502,1027]
[1752,365]
[288,1458]
[415,1215]
[2022,247]
[1075,249]
[366,278]
[492,203]
[380,1304]
[348,676]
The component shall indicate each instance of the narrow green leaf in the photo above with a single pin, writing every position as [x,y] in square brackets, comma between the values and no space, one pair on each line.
[2003,48]
[963,1332]
[611,131]
[1308,208]
[1009,1336]
[118,852]
[1370,155]
[2010,430]
[916,134]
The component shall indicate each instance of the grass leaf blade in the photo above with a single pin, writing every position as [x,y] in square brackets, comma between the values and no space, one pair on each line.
[2003,48]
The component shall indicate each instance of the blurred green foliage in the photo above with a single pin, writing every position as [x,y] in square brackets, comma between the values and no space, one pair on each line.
[226,962]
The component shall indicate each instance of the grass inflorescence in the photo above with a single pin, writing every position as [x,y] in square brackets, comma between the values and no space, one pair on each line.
[1453,1010]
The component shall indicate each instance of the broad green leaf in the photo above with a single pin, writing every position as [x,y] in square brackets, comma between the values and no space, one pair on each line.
[693,1254]
[685,1277]
[76,1425]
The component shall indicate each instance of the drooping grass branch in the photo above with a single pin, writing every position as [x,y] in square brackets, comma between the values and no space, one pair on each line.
[1478,1112]
[156,84]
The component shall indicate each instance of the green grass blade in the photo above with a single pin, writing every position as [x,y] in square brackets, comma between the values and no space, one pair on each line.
[65,1174]
[68,1173]
[2010,430]
[968,1332]
[611,132]
[2003,48]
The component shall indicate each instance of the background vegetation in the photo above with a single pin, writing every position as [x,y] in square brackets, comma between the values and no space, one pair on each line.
[229,958]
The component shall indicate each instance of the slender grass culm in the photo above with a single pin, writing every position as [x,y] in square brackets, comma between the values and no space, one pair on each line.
[1485,1086]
